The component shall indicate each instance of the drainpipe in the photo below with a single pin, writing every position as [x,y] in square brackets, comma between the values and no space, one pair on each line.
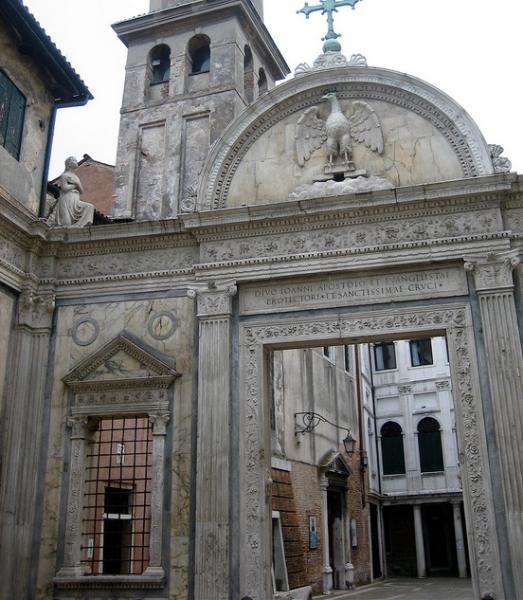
[82,101]
[360,422]
[378,463]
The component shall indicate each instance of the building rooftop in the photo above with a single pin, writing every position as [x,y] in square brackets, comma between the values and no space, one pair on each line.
[32,40]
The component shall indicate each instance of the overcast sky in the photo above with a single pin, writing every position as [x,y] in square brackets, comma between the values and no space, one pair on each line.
[471,49]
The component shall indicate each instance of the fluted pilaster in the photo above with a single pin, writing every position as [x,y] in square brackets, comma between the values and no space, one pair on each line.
[24,422]
[495,289]
[213,445]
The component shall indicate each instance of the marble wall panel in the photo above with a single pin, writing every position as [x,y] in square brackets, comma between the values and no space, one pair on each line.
[196,147]
[7,302]
[415,152]
[150,183]
[82,329]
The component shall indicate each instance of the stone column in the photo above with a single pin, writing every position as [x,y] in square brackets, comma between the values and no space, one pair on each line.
[213,444]
[23,445]
[326,570]
[159,422]
[420,544]
[495,289]
[460,540]
[81,431]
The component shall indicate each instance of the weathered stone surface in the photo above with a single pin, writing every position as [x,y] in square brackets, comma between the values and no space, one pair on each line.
[23,179]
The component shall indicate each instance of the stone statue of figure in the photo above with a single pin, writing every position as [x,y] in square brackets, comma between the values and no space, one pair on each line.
[70,211]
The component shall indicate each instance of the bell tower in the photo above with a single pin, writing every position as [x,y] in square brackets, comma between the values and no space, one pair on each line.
[192,67]
[155,5]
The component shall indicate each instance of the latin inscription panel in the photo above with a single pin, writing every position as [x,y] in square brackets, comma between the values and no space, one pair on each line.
[351,290]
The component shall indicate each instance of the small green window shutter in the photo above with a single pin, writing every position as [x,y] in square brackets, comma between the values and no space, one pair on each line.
[12,110]
[5,93]
[15,124]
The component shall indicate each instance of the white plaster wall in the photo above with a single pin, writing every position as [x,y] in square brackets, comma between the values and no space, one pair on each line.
[313,382]
[408,394]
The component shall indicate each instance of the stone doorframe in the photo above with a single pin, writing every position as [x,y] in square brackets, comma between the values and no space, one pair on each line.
[258,336]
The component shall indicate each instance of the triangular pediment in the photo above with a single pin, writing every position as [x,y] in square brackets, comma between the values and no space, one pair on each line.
[124,359]
[334,463]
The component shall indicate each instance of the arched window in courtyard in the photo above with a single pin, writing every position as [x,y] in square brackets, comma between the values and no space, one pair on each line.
[392,449]
[200,54]
[430,450]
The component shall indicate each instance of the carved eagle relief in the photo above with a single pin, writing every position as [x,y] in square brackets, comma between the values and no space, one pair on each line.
[360,124]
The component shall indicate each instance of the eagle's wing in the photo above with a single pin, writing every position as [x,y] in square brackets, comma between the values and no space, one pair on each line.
[310,134]
[365,126]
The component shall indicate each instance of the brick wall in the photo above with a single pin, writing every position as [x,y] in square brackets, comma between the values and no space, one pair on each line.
[283,501]
[358,509]
[296,495]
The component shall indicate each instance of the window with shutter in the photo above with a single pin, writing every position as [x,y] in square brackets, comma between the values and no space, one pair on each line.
[392,452]
[430,449]
[12,110]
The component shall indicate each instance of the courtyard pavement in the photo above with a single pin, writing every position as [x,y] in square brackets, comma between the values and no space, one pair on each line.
[410,589]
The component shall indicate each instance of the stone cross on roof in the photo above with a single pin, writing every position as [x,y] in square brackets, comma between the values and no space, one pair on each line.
[328,7]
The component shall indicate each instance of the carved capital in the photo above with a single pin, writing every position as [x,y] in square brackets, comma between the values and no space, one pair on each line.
[216,301]
[159,422]
[404,389]
[35,309]
[494,272]
[442,385]
[81,426]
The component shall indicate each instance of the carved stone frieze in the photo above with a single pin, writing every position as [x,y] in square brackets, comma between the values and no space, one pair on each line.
[456,321]
[514,219]
[95,397]
[351,233]
[135,264]
[494,272]
[35,308]
[11,255]
[216,301]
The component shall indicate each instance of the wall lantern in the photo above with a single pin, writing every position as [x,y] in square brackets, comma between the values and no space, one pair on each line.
[311,420]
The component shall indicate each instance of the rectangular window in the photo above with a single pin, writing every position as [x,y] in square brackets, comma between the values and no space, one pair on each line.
[346,355]
[117,509]
[329,352]
[12,110]
[384,356]
[421,352]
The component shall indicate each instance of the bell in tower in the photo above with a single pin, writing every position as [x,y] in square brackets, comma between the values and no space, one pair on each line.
[192,67]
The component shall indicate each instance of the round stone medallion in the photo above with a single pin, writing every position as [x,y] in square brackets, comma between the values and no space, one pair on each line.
[85,331]
[162,325]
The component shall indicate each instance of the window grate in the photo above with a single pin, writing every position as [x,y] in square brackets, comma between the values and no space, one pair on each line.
[117,500]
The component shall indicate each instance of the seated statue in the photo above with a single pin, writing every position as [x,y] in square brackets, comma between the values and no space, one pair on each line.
[70,211]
